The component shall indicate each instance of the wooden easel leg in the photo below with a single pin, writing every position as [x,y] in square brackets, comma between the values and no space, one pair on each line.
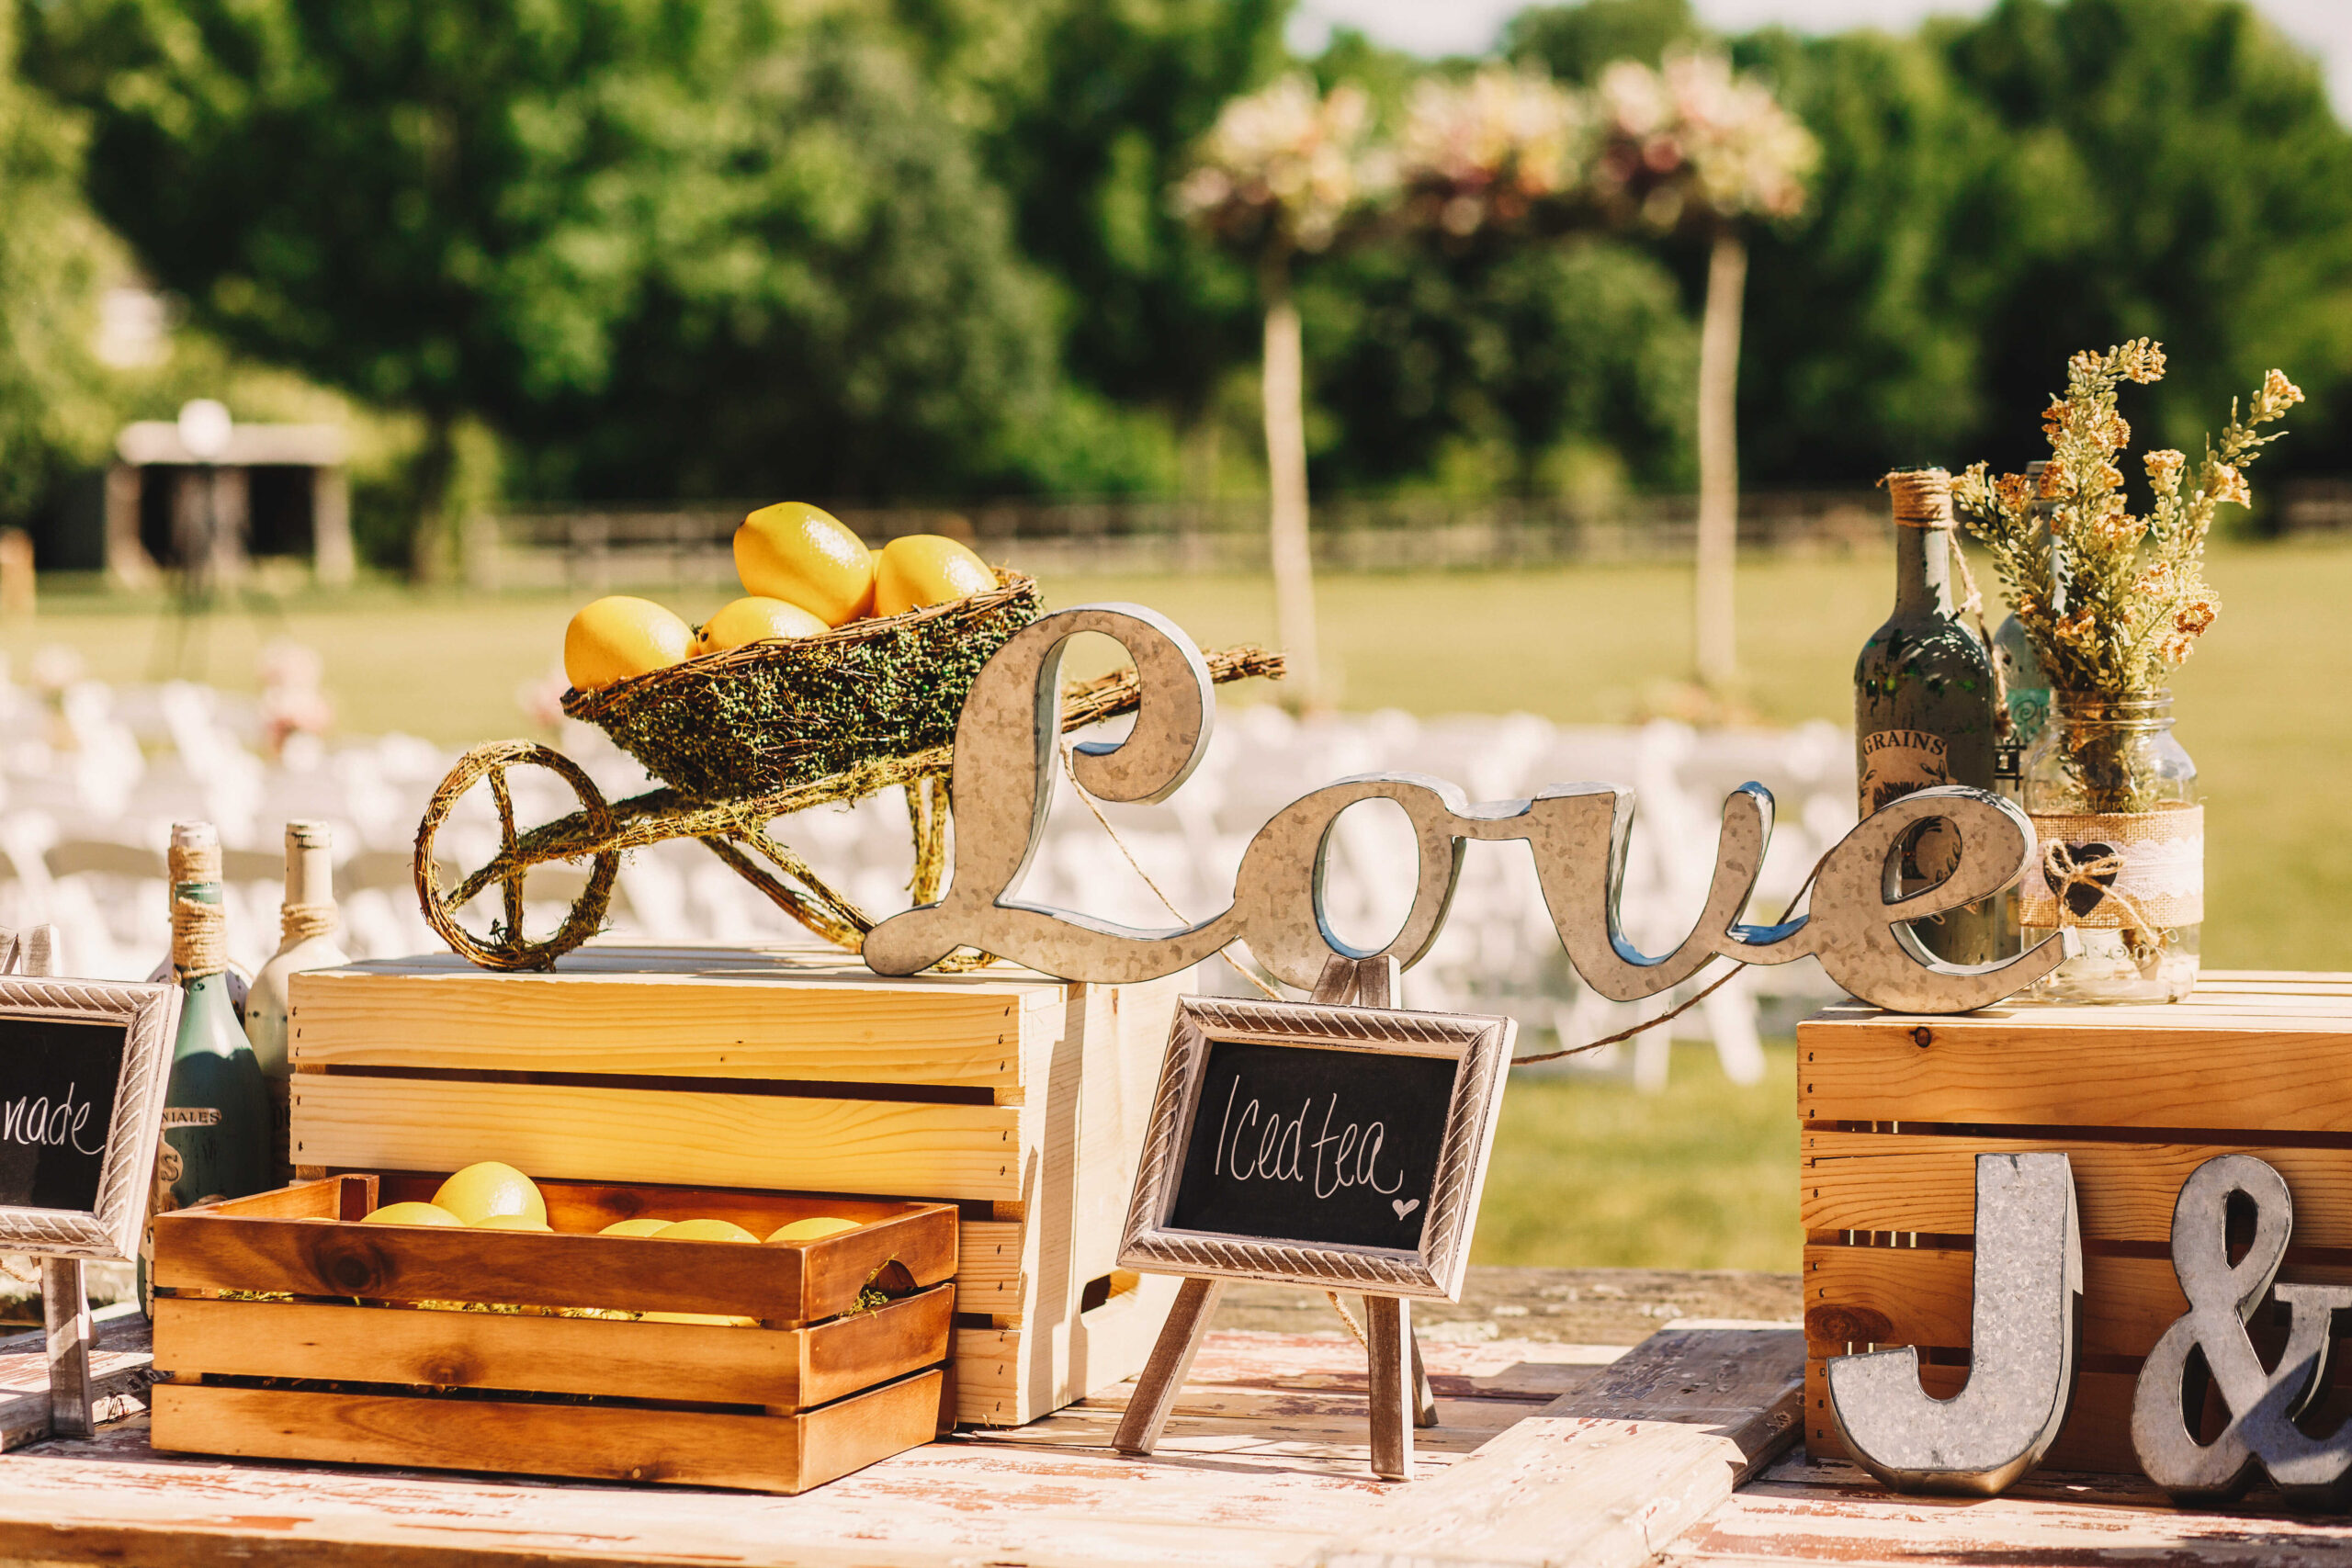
[1424,1396]
[65,1309]
[1171,1360]
[1388,1324]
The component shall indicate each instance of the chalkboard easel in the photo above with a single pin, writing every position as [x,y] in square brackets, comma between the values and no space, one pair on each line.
[1401,1397]
[82,1068]
[64,1282]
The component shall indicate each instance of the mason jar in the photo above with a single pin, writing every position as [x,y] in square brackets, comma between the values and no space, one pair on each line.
[2119,855]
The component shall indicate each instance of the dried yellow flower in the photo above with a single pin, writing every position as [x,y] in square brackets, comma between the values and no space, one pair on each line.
[2132,586]
[2276,397]
[2141,360]
[2229,485]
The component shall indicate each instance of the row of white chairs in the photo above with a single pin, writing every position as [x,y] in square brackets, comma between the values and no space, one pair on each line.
[91,778]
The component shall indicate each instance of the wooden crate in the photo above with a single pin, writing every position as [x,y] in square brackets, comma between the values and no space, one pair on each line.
[1895,1109]
[1019,1098]
[345,1363]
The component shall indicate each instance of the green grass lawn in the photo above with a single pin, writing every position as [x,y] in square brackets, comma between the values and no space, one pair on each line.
[1586,1172]
[1589,1173]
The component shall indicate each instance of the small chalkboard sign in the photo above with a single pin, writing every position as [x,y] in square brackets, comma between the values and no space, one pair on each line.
[1315,1144]
[1341,1147]
[83,1067]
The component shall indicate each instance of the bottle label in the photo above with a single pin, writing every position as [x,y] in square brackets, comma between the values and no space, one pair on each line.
[1895,763]
[2136,871]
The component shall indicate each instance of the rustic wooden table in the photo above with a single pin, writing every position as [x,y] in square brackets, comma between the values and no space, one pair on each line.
[1548,1450]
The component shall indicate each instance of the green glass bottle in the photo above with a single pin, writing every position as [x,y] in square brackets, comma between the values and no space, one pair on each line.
[1924,710]
[2025,685]
[216,1104]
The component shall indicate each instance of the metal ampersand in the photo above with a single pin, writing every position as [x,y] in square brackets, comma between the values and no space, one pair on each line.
[2223,1299]
[1005,767]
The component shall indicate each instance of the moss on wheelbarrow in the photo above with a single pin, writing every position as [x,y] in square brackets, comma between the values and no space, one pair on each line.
[772,715]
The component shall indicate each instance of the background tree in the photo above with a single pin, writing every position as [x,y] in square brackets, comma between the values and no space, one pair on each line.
[1087,113]
[829,301]
[2207,194]
[1690,145]
[1288,171]
[669,246]
[53,408]
[1576,43]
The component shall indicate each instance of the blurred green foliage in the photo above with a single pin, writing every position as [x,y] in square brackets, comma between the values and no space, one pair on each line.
[54,254]
[923,249]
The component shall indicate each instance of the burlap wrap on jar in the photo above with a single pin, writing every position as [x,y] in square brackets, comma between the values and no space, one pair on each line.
[2133,870]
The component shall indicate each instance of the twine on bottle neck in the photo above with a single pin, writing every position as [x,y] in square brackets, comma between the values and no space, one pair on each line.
[200,938]
[300,922]
[200,931]
[1922,498]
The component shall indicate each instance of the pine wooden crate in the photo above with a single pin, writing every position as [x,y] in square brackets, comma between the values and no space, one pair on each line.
[1895,1109]
[353,1368]
[1018,1098]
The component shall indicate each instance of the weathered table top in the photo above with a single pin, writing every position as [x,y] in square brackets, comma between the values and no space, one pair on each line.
[1675,1451]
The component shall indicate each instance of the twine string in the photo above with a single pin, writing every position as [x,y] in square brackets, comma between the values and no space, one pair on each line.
[200,938]
[1717,984]
[1070,765]
[300,922]
[2064,872]
[200,931]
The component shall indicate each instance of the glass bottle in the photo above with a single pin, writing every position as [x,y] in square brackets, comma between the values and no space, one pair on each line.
[1923,711]
[307,923]
[2026,686]
[2113,798]
[216,1109]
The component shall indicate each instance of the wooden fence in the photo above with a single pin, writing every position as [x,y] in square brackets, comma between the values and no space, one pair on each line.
[688,544]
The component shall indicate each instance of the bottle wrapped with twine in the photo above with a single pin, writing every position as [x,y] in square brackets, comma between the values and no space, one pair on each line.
[200,928]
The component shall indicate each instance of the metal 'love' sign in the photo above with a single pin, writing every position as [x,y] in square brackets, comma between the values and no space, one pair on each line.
[1005,762]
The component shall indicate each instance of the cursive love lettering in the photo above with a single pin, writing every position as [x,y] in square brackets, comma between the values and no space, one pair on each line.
[1007,759]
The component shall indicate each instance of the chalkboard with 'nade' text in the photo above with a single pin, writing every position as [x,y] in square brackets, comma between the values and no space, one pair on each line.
[83,1065]
[57,1090]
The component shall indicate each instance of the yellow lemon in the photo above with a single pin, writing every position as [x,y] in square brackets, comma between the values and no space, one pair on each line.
[618,638]
[479,1192]
[512,1223]
[812,1228]
[705,1230]
[413,1214]
[926,568]
[635,1227]
[797,553]
[753,620]
[711,1318]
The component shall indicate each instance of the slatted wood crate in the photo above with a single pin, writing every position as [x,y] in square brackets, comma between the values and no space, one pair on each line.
[1895,1109]
[362,1348]
[1018,1098]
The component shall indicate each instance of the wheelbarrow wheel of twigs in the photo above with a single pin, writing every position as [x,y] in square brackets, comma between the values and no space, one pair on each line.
[508,946]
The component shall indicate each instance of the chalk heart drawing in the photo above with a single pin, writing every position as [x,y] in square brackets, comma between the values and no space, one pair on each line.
[1404,1206]
[1007,760]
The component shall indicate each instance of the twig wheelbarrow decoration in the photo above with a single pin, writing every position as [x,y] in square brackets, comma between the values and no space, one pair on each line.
[742,738]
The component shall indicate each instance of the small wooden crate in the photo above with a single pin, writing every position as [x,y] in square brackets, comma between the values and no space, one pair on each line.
[1018,1098]
[1895,1110]
[357,1368]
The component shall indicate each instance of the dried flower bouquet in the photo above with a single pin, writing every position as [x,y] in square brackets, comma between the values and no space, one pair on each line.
[2111,601]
